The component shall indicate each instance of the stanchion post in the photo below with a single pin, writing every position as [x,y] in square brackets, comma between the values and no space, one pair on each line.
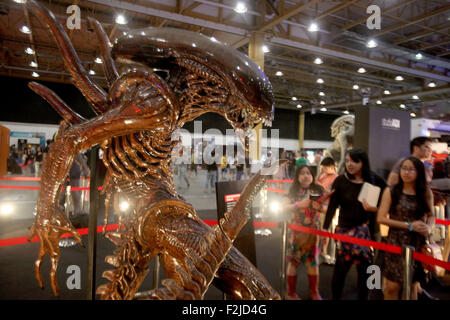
[407,252]
[283,259]
[156,273]
[92,236]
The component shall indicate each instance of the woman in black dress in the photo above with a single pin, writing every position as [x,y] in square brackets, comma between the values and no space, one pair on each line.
[356,219]
[405,210]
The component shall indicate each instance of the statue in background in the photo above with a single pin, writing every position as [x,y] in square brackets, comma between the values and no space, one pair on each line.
[342,130]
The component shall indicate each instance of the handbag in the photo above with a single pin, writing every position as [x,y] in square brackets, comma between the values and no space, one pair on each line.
[433,250]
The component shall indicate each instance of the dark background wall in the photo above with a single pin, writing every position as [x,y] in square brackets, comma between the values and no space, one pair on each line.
[21,104]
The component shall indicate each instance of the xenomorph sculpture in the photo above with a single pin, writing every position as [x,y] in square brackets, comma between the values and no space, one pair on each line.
[342,130]
[134,124]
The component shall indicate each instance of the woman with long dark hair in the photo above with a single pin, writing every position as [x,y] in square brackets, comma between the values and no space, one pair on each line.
[303,203]
[405,210]
[356,219]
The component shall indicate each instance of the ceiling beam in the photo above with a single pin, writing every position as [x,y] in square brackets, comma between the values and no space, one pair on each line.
[406,95]
[378,64]
[413,20]
[435,44]
[337,8]
[421,34]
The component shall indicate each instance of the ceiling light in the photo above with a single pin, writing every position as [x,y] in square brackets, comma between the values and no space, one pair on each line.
[25,29]
[98,60]
[322,102]
[402,106]
[29,50]
[294,98]
[346,112]
[321,94]
[240,8]
[432,84]
[379,102]
[415,97]
[412,114]
[313,27]
[361,70]
[35,74]
[213,39]
[318,61]
[6,209]
[355,87]
[279,73]
[399,78]
[419,56]
[320,80]
[387,92]
[299,106]
[323,109]
[120,19]
[265,49]
[91,72]
[20,1]
[371,44]
[33,64]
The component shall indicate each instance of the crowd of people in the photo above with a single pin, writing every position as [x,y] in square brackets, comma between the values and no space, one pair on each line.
[405,205]
[26,160]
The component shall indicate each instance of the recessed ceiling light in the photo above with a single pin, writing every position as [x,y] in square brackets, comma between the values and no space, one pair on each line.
[432,84]
[321,94]
[412,114]
[20,1]
[323,109]
[346,112]
[379,102]
[265,49]
[299,106]
[322,102]
[402,106]
[320,80]
[240,8]
[361,70]
[294,98]
[35,74]
[33,64]
[92,72]
[98,60]
[415,97]
[25,29]
[313,27]
[387,92]
[318,61]
[214,39]
[371,44]
[419,56]
[355,87]
[279,73]
[120,19]
[399,78]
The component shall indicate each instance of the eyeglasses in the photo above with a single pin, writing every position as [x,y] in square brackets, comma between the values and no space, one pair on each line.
[411,170]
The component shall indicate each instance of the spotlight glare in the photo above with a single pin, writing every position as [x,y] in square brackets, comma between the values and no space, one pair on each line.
[240,8]
[346,112]
[321,94]
[91,72]
[322,102]
[124,205]
[265,49]
[294,98]
[120,19]
[379,102]
[371,44]
[415,97]
[274,207]
[6,209]
[313,27]
[412,114]
[323,109]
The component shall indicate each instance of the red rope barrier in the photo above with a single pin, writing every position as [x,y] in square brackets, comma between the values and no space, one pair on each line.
[279,181]
[276,190]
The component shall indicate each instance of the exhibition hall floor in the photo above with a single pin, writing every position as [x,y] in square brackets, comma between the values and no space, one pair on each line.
[17,279]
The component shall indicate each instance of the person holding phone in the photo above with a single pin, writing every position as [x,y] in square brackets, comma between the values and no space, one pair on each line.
[356,219]
[404,208]
[303,203]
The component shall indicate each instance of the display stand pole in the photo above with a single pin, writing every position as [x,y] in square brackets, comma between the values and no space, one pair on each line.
[283,259]
[156,273]
[92,236]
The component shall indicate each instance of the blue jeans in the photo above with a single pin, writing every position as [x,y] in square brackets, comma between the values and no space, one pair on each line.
[211,178]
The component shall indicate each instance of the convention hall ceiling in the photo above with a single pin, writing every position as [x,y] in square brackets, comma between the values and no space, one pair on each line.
[407,69]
